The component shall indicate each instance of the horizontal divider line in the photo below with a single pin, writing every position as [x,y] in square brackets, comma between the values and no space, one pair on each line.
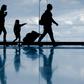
[42,43]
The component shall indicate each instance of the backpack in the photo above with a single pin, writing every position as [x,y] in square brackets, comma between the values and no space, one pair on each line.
[42,20]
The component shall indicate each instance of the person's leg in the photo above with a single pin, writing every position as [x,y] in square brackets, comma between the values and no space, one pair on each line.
[50,58]
[19,38]
[1,29]
[41,37]
[51,34]
[16,35]
[15,39]
[5,33]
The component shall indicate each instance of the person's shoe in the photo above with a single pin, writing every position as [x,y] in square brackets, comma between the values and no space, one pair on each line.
[54,44]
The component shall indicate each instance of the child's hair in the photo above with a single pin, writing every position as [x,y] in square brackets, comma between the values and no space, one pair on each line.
[17,21]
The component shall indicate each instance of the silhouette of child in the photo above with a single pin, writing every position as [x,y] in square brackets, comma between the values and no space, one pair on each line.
[17,29]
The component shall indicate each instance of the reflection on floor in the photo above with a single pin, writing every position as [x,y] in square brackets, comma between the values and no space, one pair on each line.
[42,65]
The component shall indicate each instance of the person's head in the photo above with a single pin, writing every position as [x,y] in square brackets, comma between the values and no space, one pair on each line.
[17,21]
[4,7]
[49,7]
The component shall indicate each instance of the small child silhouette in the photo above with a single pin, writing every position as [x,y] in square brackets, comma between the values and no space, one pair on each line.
[17,29]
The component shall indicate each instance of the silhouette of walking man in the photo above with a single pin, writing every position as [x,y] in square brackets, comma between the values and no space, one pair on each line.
[46,21]
[46,70]
[17,29]
[3,14]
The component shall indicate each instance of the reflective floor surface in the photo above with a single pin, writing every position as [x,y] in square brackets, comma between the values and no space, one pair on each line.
[42,65]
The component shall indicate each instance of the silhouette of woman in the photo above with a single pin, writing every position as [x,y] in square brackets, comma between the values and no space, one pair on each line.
[3,14]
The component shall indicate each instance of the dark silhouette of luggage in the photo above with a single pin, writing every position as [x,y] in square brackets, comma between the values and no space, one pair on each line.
[31,37]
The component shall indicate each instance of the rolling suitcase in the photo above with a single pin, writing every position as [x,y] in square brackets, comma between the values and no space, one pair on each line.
[31,37]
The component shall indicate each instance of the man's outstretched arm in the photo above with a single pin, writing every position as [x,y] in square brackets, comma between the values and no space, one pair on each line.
[54,22]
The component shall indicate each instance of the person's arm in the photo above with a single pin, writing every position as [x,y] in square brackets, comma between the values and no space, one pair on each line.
[54,22]
[5,13]
[23,24]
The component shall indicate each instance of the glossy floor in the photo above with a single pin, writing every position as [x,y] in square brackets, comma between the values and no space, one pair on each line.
[39,65]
